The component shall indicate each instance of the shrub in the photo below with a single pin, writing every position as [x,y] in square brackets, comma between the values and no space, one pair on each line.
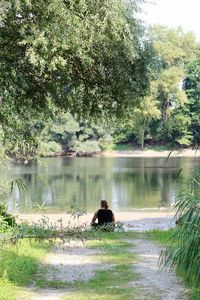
[50,148]
[184,252]
[86,147]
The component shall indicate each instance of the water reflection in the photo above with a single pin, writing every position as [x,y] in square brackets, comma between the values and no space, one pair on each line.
[127,183]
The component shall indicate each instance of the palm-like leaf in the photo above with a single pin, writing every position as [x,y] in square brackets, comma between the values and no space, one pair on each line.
[184,252]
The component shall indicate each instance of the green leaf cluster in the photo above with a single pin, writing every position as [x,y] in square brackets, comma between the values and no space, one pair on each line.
[81,56]
[183,254]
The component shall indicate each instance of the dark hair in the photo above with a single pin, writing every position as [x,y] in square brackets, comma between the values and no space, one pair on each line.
[104,204]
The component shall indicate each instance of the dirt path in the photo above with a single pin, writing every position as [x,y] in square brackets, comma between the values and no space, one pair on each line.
[77,262]
[69,263]
[153,283]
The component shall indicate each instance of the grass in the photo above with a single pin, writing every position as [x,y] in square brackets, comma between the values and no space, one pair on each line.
[163,238]
[114,247]
[18,265]
[160,236]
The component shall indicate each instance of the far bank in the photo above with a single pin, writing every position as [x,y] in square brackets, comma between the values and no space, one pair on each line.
[152,153]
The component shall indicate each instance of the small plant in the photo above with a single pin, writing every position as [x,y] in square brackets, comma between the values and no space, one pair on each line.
[110,227]
[6,219]
[7,188]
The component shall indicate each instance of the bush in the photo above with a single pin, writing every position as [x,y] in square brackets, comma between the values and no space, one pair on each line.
[86,147]
[50,148]
[6,219]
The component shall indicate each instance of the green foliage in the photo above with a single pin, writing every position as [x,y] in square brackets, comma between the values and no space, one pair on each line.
[64,133]
[143,115]
[86,147]
[172,53]
[7,289]
[88,59]
[161,236]
[177,128]
[192,88]
[6,188]
[163,115]
[6,219]
[18,266]
[173,45]
[50,148]
[183,254]
[45,230]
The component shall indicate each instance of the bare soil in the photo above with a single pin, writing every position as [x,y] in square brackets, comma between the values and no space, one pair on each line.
[152,153]
[154,283]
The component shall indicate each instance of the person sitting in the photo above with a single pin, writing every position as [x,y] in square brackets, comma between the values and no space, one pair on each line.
[104,216]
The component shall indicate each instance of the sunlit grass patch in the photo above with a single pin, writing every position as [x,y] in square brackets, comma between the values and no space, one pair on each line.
[18,265]
[7,289]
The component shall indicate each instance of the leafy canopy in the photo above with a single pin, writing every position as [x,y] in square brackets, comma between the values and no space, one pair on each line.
[84,56]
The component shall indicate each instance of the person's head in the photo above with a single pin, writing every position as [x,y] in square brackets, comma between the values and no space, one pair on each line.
[104,204]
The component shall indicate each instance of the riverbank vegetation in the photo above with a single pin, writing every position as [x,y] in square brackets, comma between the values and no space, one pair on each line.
[182,243]
[165,239]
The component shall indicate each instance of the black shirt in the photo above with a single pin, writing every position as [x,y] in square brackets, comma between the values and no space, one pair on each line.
[104,216]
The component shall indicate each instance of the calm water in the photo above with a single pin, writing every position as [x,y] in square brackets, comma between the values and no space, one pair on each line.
[127,183]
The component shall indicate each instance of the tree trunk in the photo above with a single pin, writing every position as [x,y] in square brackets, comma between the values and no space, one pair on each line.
[166,105]
[142,139]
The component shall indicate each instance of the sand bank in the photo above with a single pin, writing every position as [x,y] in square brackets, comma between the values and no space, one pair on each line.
[152,153]
[134,221]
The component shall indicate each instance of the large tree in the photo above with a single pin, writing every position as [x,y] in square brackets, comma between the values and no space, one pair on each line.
[174,49]
[84,56]
[163,115]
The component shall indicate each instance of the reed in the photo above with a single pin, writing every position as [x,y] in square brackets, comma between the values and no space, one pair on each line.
[183,254]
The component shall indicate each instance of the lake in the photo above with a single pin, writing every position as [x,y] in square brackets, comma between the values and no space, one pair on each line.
[127,183]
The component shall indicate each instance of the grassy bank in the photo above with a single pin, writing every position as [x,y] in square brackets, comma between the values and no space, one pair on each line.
[164,238]
[18,265]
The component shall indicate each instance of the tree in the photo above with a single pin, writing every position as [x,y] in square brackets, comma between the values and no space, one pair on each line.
[143,115]
[173,50]
[192,88]
[83,56]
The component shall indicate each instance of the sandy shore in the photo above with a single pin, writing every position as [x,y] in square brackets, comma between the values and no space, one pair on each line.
[152,153]
[134,221]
